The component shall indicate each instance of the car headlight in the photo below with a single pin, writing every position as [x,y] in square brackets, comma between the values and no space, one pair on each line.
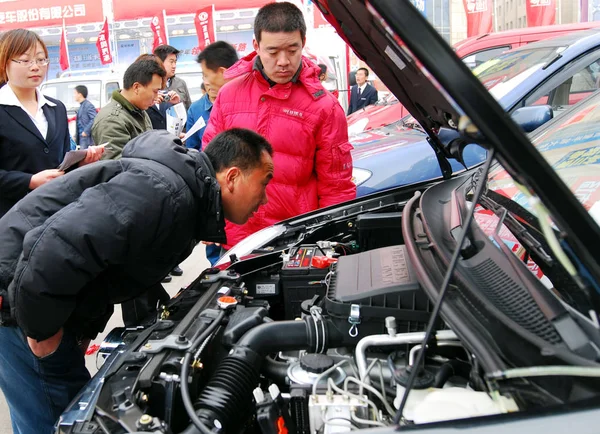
[360,176]
[358,126]
[252,242]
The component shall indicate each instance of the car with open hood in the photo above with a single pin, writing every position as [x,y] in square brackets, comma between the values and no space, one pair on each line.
[469,303]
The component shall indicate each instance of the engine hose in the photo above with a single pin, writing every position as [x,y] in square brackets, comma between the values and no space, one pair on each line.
[199,337]
[225,402]
[274,370]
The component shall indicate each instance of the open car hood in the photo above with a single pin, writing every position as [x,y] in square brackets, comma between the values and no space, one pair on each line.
[453,107]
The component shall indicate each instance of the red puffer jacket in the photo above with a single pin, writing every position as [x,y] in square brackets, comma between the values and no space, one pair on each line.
[308,131]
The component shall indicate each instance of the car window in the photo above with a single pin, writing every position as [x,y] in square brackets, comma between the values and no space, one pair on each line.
[63,91]
[582,83]
[571,145]
[476,59]
[110,88]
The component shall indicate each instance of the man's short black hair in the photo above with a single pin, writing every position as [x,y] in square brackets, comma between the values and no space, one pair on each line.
[279,17]
[162,51]
[217,55]
[237,147]
[364,69]
[141,71]
[82,90]
[323,68]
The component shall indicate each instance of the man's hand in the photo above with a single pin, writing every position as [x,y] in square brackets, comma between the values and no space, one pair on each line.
[47,347]
[43,177]
[210,243]
[175,98]
[94,153]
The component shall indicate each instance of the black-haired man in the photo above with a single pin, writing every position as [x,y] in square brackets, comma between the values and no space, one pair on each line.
[176,88]
[124,117]
[85,117]
[362,93]
[276,92]
[100,235]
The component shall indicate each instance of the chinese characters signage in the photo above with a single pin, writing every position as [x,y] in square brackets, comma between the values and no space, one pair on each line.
[205,26]
[158,29]
[147,8]
[479,16]
[540,12]
[45,13]
[420,5]
[103,45]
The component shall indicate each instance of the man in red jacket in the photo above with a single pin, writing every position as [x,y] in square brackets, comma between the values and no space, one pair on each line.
[276,92]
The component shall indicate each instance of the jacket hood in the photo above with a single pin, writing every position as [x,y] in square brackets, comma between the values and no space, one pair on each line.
[163,147]
[309,75]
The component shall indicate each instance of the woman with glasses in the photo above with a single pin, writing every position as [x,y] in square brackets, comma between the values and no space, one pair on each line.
[34,134]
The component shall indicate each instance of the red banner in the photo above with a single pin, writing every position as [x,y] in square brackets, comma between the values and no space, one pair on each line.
[160,32]
[103,44]
[146,8]
[43,13]
[479,16]
[540,12]
[63,49]
[205,26]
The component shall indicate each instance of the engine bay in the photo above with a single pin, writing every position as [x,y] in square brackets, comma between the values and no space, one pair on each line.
[316,338]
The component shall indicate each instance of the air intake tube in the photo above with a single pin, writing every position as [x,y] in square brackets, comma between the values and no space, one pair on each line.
[225,403]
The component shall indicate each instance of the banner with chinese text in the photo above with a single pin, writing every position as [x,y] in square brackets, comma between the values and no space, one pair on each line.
[158,29]
[540,12]
[103,44]
[205,26]
[46,13]
[479,16]
[124,10]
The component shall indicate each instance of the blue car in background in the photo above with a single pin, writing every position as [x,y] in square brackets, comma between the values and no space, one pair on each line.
[532,83]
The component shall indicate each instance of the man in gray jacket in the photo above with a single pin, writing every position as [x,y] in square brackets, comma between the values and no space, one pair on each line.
[168,54]
[124,117]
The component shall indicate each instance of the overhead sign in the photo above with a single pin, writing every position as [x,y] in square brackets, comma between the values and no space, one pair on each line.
[147,8]
[48,13]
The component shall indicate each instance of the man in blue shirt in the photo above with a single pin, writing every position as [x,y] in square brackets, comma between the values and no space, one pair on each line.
[214,61]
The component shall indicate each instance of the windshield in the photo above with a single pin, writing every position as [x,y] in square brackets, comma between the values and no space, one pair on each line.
[503,73]
[63,91]
[571,145]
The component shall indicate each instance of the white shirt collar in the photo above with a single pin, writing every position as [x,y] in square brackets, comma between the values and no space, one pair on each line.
[362,88]
[8,97]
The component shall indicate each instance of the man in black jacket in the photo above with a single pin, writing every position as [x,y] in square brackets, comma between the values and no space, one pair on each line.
[362,93]
[103,234]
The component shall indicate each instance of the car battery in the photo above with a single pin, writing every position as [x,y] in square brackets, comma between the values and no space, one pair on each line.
[300,280]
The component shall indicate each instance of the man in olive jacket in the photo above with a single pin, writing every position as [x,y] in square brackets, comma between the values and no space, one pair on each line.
[125,117]
[100,235]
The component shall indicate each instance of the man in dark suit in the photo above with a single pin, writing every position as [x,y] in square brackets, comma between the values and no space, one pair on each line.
[362,93]
[85,117]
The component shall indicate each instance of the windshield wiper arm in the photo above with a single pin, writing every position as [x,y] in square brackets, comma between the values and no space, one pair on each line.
[519,231]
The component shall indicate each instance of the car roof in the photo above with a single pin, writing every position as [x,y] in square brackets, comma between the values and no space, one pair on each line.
[526,31]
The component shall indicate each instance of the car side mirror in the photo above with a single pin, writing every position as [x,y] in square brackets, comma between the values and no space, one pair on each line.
[533,117]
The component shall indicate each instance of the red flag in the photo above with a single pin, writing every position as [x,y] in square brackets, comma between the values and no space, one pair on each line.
[205,26]
[479,16]
[158,28]
[103,44]
[540,12]
[63,60]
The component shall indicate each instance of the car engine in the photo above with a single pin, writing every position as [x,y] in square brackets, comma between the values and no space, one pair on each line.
[319,337]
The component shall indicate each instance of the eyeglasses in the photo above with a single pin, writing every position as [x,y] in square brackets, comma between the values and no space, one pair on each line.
[30,63]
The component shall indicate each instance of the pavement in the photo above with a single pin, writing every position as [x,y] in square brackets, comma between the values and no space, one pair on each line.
[192,267]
